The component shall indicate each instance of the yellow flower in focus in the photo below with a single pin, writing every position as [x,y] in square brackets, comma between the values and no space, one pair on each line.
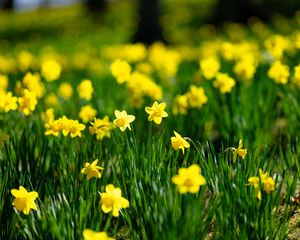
[8,102]
[156,112]
[189,179]
[92,170]
[296,78]
[51,70]
[87,113]
[121,70]
[75,128]
[24,201]
[196,97]
[123,120]
[279,73]
[112,200]
[65,90]
[239,151]
[89,234]
[224,83]
[179,142]
[52,127]
[27,102]
[85,89]
[209,67]
[101,128]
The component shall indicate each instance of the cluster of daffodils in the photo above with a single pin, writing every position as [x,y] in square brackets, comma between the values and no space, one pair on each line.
[32,82]
[110,201]
[66,126]
[166,61]
[129,52]
[264,181]
[138,84]
[26,103]
[194,98]
[29,94]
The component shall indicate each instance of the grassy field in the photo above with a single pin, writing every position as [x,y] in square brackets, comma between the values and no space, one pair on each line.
[195,140]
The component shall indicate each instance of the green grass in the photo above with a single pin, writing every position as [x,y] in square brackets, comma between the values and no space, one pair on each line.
[142,162]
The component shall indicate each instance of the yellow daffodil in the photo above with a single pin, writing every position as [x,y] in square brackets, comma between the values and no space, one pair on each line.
[3,83]
[196,97]
[239,151]
[189,179]
[279,72]
[224,83]
[264,179]
[51,70]
[75,128]
[156,112]
[180,104]
[8,102]
[52,127]
[179,142]
[112,200]
[89,234]
[92,170]
[209,67]
[27,102]
[87,113]
[121,71]
[85,89]
[101,128]
[65,90]
[24,201]
[32,82]
[123,120]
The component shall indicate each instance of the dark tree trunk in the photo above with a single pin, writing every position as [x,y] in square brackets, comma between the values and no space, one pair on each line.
[7,4]
[96,6]
[149,29]
[238,11]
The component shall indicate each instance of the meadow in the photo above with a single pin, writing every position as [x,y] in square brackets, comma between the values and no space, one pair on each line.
[104,139]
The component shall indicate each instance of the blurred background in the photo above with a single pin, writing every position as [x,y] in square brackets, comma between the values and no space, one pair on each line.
[120,21]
